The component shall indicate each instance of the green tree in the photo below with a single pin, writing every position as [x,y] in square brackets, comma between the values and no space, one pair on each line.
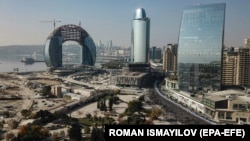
[134,106]
[111,102]
[1,124]
[97,134]
[13,123]
[32,132]
[86,129]
[75,132]
[103,105]
[25,112]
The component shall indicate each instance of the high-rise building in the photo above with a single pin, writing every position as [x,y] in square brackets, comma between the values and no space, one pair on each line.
[140,37]
[230,69]
[244,66]
[155,54]
[200,43]
[236,67]
[170,58]
[247,42]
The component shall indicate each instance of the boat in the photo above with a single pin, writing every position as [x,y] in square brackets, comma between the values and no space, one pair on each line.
[28,60]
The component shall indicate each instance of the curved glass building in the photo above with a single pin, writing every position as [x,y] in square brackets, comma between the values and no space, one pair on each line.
[140,37]
[200,44]
[53,45]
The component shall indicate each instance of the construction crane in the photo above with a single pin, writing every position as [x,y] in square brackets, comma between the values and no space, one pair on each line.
[53,21]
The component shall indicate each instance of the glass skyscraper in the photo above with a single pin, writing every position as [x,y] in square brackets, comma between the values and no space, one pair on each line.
[140,37]
[200,44]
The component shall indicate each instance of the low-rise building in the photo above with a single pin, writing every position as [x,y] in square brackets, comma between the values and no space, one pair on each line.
[225,107]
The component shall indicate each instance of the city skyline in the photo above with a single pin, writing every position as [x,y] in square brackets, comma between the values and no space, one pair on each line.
[110,20]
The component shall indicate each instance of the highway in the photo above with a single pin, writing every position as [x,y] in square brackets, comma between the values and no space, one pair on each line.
[188,111]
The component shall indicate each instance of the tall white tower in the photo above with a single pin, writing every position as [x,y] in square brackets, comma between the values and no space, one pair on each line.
[140,37]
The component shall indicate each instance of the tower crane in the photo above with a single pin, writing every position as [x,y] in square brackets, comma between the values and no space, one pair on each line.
[52,21]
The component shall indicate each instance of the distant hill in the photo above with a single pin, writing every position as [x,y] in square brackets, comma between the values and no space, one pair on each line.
[25,48]
[14,51]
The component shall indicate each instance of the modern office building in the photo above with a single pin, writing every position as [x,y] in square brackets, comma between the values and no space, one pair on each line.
[170,58]
[200,43]
[140,37]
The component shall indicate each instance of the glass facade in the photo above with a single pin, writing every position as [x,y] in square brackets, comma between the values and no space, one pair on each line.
[53,45]
[200,44]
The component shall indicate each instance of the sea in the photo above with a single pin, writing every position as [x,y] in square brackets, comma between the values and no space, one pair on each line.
[14,66]
[17,65]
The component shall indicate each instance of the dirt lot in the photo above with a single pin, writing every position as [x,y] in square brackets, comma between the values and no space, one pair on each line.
[16,96]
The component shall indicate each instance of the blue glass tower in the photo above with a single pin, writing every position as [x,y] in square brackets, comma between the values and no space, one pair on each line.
[200,43]
[53,45]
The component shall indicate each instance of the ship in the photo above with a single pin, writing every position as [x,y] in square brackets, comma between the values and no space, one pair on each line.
[30,60]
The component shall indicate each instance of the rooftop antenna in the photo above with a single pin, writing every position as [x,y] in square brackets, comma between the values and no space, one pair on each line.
[80,23]
[52,21]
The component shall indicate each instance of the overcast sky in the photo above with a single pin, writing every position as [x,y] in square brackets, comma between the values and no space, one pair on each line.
[20,20]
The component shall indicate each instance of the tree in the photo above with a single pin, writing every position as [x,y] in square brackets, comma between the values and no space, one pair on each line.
[9,136]
[55,137]
[1,124]
[46,90]
[111,102]
[62,133]
[155,113]
[103,106]
[32,132]
[75,132]
[134,106]
[45,116]
[13,123]
[97,134]
[86,129]
[25,112]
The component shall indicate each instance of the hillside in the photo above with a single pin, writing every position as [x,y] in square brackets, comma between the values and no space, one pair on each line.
[14,52]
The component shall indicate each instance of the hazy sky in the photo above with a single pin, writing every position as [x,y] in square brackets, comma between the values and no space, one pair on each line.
[20,20]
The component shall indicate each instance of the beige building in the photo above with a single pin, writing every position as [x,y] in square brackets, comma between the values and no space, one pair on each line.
[135,79]
[223,107]
[236,67]
[228,106]
[244,66]
[230,69]
[170,58]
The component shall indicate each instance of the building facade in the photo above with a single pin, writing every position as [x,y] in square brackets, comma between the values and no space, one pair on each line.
[230,68]
[155,54]
[140,37]
[244,66]
[236,67]
[170,58]
[53,46]
[200,43]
